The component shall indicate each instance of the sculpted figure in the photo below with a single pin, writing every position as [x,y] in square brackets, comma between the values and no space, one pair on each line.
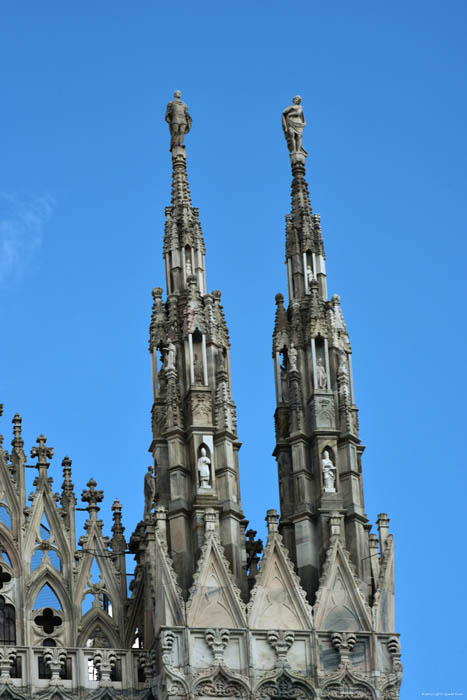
[204,470]
[309,276]
[343,370]
[293,357]
[149,492]
[169,356]
[178,119]
[329,476]
[322,375]
[198,370]
[293,123]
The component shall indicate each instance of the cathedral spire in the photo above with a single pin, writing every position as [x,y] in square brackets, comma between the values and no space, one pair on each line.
[195,441]
[183,240]
[318,449]
[304,250]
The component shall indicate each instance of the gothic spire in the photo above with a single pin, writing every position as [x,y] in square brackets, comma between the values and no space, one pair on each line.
[183,240]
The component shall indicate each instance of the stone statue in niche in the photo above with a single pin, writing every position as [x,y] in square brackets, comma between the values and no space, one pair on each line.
[178,119]
[329,473]
[198,369]
[343,370]
[189,269]
[204,470]
[322,375]
[293,123]
[309,276]
[149,492]
[293,357]
[170,354]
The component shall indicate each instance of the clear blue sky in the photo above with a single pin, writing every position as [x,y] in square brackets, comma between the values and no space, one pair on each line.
[84,182]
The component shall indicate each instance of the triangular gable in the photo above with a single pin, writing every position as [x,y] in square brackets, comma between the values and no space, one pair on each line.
[214,598]
[383,607]
[277,600]
[169,609]
[340,604]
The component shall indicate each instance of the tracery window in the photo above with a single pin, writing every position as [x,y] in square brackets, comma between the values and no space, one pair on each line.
[7,623]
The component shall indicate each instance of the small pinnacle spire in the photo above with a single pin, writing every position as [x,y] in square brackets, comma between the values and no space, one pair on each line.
[118,541]
[92,497]
[17,441]
[42,453]
[67,485]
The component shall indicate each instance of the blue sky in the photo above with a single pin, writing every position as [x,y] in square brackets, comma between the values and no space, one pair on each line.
[84,182]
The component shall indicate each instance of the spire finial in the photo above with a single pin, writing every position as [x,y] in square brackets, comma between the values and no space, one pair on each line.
[42,453]
[92,497]
[293,123]
[179,121]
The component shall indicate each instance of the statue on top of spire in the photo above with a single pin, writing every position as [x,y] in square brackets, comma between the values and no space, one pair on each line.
[293,123]
[178,119]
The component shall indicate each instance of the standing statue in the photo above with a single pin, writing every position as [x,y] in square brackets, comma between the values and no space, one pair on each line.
[329,476]
[322,375]
[284,385]
[204,470]
[149,492]
[293,123]
[170,353]
[293,357]
[309,277]
[178,119]
[198,370]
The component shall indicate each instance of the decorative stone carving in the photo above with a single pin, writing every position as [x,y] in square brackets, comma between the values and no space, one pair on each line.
[329,473]
[344,642]
[204,470]
[281,641]
[104,660]
[55,659]
[293,124]
[220,686]
[217,640]
[346,689]
[167,647]
[7,659]
[178,119]
[283,688]
[201,408]
[149,492]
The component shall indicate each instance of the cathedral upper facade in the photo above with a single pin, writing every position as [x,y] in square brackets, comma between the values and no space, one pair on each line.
[210,611]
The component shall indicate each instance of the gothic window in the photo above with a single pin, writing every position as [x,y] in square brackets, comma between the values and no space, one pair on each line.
[47,598]
[7,623]
[5,517]
[45,528]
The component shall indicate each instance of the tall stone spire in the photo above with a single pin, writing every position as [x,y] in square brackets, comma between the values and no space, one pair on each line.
[318,449]
[195,443]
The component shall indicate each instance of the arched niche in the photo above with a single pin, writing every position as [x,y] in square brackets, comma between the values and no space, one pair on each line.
[188,261]
[198,357]
[204,466]
[7,623]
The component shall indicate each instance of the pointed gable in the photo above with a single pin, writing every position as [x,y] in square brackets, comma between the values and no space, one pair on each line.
[340,604]
[214,598]
[169,609]
[277,600]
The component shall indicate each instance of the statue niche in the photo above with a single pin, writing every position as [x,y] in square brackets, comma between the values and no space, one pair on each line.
[204,468]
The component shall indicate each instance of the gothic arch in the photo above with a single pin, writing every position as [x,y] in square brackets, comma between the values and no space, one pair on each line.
[6,543]
[357,687]
[232,684]
[98,618]
[284,685]
[49,575]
